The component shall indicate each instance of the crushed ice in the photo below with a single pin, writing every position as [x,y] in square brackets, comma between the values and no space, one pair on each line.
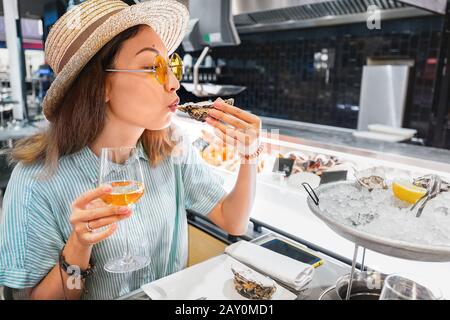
[380,213]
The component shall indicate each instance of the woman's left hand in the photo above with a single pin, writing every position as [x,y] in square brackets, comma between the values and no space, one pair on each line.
[235,127]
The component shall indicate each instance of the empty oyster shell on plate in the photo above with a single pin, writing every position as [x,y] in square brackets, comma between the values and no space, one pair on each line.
[199,110]
[253,285]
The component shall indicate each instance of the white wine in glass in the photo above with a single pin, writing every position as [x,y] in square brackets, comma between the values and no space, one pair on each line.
[120,168]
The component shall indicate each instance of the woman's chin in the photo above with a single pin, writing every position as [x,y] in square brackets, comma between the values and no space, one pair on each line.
[160,125]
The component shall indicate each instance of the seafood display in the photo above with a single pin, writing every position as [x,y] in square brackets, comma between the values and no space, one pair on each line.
[388,208]
[252,285]
[316,163]
[199,110]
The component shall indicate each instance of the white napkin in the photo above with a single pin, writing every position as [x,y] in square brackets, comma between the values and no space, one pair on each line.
[293,273]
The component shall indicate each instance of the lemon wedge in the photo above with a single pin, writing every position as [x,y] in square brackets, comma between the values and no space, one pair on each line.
[406,191]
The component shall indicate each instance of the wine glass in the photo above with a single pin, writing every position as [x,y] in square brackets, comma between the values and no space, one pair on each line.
[397,287]
[120,168]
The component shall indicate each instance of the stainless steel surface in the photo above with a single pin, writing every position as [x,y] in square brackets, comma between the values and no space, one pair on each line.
[329,294]
[394,248]
[213,90]
[196,70]
[352,273]
[252,6]
[325,275]
[365,286]
[383,96]
[211,24]
[209,89]
[266,15]
[438,6]
[246,24]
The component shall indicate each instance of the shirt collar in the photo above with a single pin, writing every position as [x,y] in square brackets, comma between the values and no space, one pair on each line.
[89,163]
[141,151]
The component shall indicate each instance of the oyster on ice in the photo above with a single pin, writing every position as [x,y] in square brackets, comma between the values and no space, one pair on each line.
[373,178]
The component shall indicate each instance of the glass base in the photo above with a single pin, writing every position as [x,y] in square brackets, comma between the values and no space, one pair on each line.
[127,264]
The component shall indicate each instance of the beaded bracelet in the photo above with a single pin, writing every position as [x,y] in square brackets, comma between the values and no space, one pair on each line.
[254,155]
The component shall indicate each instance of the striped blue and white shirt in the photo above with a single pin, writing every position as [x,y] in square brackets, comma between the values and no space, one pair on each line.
[35,224]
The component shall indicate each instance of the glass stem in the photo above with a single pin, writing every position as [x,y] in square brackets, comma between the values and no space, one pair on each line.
[127,256]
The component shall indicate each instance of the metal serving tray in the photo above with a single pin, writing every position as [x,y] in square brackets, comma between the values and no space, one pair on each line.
[394,248]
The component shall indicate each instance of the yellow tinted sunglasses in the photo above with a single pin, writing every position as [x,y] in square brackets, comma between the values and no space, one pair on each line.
[160,69]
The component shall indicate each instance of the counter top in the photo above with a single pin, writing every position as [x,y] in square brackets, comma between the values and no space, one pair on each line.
[21,131]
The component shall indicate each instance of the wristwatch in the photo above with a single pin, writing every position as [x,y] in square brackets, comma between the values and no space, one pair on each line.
[73,271]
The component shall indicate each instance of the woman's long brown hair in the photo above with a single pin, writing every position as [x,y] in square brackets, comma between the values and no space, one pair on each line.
[81,116]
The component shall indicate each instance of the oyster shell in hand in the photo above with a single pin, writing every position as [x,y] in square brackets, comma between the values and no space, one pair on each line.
[253,285]
[199,110]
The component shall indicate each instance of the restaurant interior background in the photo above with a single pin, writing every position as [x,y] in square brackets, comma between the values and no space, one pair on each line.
[299,60]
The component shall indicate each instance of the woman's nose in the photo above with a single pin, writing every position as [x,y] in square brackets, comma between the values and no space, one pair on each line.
[172,84]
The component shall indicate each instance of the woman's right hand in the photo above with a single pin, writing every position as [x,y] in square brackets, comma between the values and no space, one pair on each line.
[89,211]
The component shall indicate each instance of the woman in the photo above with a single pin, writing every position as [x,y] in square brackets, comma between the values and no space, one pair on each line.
[53,213]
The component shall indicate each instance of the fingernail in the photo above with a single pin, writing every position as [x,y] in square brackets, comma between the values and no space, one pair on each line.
[123,209]
[107,188]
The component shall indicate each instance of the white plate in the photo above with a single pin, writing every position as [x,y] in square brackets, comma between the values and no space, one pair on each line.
[379,136]
[295,180]
[212,279]
[404,132]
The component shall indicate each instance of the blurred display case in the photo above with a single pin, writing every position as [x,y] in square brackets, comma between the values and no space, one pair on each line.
[286,164]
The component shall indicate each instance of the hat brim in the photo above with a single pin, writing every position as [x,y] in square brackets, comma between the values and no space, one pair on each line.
[169,19]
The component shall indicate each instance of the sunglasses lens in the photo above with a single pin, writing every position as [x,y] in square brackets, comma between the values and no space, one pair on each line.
[161,70]
[176,65]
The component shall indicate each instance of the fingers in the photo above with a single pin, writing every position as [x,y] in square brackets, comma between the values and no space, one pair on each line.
[98,203]
[225,138]
[246,137]
[82,201]
[244,148]
[95,237]
[93,214]
[235,122]
[103,222]
[229,131]
[235,111]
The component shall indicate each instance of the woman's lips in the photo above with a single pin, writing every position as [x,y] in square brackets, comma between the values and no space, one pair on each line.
[174,106]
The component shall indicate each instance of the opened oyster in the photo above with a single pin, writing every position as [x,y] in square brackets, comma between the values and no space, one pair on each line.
[434,186]
[199,110]
[252,285]
[373,178]
[428,180]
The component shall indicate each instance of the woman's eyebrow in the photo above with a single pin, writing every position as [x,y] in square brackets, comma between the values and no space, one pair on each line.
[148,49]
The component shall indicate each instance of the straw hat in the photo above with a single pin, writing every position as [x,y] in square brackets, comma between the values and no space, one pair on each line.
[80,33]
